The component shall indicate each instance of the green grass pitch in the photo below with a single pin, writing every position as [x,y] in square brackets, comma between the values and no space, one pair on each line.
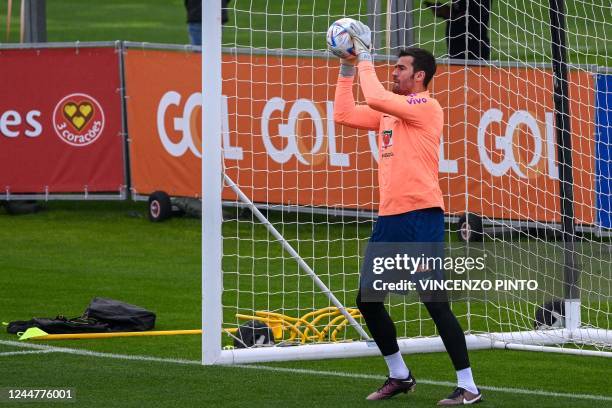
[56,261]
[518,31]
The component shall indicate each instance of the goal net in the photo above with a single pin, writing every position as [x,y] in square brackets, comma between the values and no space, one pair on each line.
[524,167]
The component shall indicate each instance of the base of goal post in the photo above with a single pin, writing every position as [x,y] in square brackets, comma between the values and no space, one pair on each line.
[536,340]
[339,350]
[585,336]
[548,341]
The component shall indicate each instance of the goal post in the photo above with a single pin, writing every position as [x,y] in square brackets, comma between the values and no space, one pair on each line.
[290,198]
[212,176]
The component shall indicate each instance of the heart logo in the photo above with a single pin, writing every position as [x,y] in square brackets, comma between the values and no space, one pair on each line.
[78,119]
[70,109]
[85,108]
[78,122]
[78,114]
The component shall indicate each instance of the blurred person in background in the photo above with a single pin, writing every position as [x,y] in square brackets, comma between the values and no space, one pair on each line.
[194,19]
[477,30]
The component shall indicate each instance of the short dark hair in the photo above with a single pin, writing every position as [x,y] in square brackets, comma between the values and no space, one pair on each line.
[423,60]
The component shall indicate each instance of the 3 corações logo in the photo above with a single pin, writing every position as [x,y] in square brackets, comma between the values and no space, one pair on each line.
[78,119]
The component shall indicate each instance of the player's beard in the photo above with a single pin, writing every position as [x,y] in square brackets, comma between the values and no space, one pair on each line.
[397,89]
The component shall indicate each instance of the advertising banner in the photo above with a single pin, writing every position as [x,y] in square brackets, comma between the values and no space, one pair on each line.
[281,145]
[60,121]
[604,150]
[164,121]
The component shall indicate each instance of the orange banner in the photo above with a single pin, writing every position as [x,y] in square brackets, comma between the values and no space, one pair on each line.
[282,147]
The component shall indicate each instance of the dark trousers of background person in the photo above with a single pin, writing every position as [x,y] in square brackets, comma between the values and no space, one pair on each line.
[476,31]
[194,19]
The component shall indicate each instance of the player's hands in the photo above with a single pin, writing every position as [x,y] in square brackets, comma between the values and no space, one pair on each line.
[362,37]
[347,65]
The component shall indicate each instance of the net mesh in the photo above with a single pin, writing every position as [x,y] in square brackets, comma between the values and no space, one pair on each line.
[316,182]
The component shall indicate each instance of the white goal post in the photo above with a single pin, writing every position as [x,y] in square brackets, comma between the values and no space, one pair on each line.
[212,170]
[290,198]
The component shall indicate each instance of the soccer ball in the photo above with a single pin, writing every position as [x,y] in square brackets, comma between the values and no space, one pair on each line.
[339,40]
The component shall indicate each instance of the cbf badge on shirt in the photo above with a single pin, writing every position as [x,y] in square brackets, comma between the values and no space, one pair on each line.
[387,138]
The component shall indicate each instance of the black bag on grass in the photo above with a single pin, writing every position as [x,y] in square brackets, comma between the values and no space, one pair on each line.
[120,316]
[102,315]
[59,325]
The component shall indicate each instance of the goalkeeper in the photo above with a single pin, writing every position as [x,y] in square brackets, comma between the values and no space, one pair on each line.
[409,124]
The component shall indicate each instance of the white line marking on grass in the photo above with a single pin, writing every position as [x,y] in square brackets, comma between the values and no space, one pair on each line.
[430,382]
[98,354]
[17,353]
[299,371]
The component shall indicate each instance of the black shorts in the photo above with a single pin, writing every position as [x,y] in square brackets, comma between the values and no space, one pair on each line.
[404,252]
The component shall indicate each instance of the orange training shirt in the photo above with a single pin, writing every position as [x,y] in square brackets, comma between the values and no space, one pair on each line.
[409,130]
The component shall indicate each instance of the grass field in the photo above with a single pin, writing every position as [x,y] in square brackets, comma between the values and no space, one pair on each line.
[517,31]
[56,261]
